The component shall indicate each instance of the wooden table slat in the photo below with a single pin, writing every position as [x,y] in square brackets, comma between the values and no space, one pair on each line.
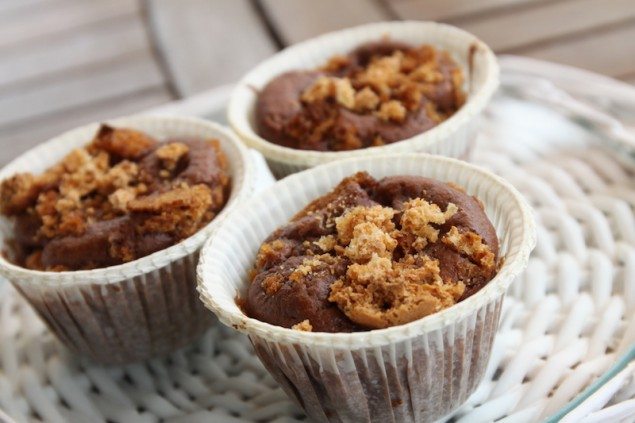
[611,52]
[88,85]
[206,43]
[103,42]
[301,19]
[450,9]
[38,22]
[20,138]
[515,30]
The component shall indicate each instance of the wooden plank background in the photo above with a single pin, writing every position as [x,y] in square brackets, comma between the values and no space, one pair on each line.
[68,62]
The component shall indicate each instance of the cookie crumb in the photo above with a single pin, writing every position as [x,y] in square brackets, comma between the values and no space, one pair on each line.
[170,154]
[304,326]
[392,110]
[470,244]
[272,283]
[418,217]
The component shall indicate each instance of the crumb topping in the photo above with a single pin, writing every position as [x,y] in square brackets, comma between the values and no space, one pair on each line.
[171,153]
[326,243]
[123,142]
[372,254]
[103,181]
[390,86]
[418,217]
[304,326]
[470,244]
[380,289]
[180,210]
[383,293]
[272,283]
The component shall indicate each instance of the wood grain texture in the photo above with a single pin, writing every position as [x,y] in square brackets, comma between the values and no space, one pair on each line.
[301,19]
[18,138]
[552,20]
[99,43]
[450,9]
[39,21]
[81,87]
[610,51]
[206,43]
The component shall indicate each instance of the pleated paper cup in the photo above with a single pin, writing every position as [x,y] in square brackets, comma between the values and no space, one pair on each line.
[144,308]
[450,138]
[419,371]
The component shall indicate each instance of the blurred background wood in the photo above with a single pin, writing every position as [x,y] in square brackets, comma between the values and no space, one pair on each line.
[68,62]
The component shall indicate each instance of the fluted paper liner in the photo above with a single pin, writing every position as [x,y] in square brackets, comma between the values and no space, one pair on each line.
[147,307]
[415,372]
[450,138]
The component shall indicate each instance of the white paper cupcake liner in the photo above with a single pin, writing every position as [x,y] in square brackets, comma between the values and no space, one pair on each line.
[450,138]
[147,307]
[415,372]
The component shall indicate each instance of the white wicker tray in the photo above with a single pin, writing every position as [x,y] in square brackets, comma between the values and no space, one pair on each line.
[567,331]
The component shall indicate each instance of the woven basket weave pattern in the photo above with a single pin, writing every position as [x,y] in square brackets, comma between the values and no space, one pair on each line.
[563,323]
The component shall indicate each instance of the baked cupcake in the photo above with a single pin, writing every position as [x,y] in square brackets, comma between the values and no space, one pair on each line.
[371,296]
[101,228]
[373,254]
[373,89]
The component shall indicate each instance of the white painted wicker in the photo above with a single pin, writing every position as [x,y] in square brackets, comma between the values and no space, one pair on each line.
[565,322]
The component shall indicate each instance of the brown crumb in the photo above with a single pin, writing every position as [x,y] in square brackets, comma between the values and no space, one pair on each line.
[326,243]
[122,142]
[171,153]
[470,244]
[324,88]
[377,215]
[382,293]
[392,110]
[272,283]
[304,326]
[304,269]
[181,210]
[418,216]
[366,100]
[18,192]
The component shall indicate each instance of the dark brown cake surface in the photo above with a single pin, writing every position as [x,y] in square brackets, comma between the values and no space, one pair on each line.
[372,254]
[379,93]
[123,196]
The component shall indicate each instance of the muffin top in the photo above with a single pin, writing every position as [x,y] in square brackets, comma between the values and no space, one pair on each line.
[123,196]
[373,254]
[379,93]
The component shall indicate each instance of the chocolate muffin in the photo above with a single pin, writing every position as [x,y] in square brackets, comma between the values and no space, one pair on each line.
[380,93]
[373,254]
[123,196]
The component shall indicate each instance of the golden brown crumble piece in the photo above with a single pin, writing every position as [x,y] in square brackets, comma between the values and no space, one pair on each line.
[272,283]
[123,142]
[307,266]
[418,217]
[470,244]
[119,176]
[180,210]
[171,153]
[379,216]
[326,87]
[18,192]
[326,243]
[336,63]
[366,100]
[84,174]
[392,110]
[120,198]
[304,326]
[383,293]
[369,240]
[271,252]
